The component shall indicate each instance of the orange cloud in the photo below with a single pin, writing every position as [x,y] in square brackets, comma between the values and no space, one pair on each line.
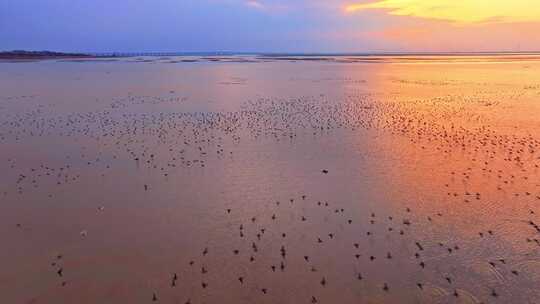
[458,11]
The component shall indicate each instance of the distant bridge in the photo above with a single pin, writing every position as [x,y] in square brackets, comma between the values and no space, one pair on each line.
[164,54]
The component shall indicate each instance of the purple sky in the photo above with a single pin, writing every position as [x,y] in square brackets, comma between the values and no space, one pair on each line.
[236,25]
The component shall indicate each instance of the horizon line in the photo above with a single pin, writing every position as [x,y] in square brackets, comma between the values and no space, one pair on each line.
[282,52]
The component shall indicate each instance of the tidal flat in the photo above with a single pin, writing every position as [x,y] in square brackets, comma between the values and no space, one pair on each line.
[260,179]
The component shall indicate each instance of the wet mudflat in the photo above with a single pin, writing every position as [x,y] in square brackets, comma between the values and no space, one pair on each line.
[249,180]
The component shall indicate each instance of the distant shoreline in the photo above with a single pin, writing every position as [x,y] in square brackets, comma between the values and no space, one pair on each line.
[232,57]
[23,54]
[39,55]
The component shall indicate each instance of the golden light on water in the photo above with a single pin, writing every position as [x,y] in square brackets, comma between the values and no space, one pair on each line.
[458,11]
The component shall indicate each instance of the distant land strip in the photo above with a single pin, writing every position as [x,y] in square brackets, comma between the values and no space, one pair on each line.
[243,57]
[22,55]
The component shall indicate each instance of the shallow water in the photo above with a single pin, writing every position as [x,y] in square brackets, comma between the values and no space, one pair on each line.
[123,173]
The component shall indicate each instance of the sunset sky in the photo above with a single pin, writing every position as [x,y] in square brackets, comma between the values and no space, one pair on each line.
[271,25]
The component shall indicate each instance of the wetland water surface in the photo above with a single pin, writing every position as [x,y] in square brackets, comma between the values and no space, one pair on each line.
[264,180]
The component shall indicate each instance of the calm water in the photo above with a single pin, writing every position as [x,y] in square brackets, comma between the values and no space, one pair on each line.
[270,180]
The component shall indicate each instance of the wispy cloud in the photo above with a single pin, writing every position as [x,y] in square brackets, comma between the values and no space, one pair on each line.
[255,4]
[266,5]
